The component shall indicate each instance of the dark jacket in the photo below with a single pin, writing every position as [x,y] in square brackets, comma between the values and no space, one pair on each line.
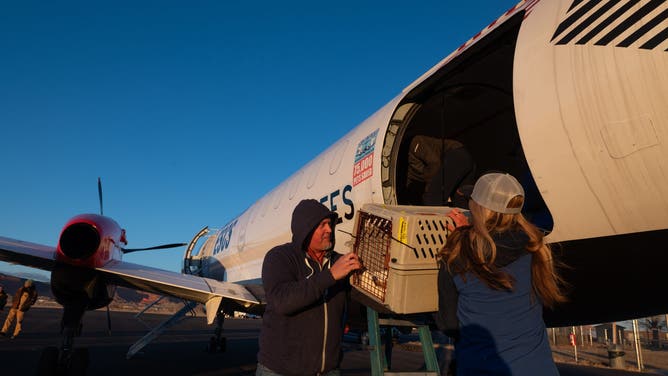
[3,299]
[425,156]
[500,332]
[302,326]
[436,169]
[32,298]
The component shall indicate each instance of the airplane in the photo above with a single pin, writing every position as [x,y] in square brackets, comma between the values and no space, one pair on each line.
[566,95]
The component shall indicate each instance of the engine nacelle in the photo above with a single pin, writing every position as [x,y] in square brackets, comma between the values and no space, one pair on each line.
[90,240]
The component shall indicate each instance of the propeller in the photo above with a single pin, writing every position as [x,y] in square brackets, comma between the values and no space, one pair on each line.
[108,321]
[128,250]
[173,245]
[99,193]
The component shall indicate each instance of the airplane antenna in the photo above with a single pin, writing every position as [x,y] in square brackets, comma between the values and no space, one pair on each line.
[99,192]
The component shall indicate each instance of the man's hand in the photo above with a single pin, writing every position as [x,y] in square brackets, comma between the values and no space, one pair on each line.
[344,265]
[458,219]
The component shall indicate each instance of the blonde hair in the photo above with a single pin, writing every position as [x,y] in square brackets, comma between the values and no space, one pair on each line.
[472,249]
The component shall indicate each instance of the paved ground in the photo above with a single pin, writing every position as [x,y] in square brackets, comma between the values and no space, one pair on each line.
[654,361]
[182,350]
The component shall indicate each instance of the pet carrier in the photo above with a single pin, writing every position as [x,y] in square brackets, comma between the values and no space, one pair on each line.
[398,246]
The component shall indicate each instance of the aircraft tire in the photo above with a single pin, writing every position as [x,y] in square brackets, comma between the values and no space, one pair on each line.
[48,362]
[78,362]
[211,347]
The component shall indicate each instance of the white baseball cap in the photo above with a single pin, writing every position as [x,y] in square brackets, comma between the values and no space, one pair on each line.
[495,190]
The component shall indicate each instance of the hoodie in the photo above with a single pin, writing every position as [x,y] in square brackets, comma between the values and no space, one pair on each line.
[302,325]
[500,332]
[30,299]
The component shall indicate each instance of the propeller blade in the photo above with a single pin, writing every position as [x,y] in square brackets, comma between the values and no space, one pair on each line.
[99,192]
[108,321]
[173,245]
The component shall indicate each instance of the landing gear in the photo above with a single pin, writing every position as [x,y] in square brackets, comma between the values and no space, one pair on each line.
[78,362]
[217,342]
[67,360]
[48,362]
[77,289]
[54,362]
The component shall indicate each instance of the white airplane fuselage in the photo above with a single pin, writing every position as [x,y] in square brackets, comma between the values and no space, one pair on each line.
[568,96]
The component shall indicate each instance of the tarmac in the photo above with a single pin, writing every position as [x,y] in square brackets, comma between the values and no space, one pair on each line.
[182,350]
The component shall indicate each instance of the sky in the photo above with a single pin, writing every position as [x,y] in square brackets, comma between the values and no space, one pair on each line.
[191,111]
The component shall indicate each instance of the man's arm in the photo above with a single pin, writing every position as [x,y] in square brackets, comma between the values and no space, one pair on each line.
[284,291]
[288,294]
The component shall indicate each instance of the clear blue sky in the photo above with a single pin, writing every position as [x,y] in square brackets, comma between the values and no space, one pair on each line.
[190,111]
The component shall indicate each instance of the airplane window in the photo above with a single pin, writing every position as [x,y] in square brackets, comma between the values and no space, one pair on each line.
[278,196]
[241,234]
[294,185]
[337,157]
[312,174]
[252,213]
[265,205]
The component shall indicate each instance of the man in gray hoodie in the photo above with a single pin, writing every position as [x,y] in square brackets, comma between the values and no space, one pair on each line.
[306,288]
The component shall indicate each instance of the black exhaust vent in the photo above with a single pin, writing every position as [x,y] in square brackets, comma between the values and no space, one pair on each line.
[79,241]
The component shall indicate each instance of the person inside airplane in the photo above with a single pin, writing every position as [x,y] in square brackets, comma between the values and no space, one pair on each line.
[307,292]
[437,167]
[494,278]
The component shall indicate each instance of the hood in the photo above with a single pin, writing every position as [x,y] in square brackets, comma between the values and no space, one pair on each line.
[515,239]
[306,216]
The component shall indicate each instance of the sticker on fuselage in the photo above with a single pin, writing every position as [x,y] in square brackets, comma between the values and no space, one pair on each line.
[363,167]
[223,237]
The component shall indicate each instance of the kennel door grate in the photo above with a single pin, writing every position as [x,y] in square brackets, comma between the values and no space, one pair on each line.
[372,245]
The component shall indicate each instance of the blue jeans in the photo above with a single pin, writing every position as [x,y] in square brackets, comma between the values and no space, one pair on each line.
[264,371]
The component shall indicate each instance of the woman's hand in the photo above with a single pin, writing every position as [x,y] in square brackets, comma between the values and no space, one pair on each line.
[458,219]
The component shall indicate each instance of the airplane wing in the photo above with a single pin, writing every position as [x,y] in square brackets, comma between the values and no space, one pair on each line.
[202,290]
[165,282]
[27,254]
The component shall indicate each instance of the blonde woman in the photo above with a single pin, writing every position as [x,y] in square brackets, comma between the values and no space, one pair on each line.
[495,277]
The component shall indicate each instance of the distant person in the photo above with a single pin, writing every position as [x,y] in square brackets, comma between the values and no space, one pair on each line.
[3,298]
[436,168]
[307,291]
[24,298]
[494,278]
